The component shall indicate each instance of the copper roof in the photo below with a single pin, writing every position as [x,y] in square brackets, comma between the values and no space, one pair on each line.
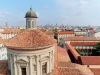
[30,39]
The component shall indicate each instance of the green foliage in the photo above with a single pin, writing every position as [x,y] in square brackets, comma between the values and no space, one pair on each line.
[55,30]
[78,51]
[21,30]
[98,48]
[43,30]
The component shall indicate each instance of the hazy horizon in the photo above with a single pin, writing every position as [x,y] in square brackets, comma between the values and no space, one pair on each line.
[67,12]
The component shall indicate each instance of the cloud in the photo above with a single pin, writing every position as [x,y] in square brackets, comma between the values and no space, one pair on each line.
[83,3]
[81,12]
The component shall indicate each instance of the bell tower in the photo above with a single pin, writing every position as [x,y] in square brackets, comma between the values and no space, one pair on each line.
[31,18]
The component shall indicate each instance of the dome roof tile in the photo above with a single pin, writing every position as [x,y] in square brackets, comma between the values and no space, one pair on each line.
[30,39]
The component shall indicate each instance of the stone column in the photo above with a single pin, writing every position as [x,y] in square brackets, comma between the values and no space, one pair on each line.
[50,66]
[31,70]
[15,64]
[53,61]
[19,70]
[40,68]
[37,65]
[11,64]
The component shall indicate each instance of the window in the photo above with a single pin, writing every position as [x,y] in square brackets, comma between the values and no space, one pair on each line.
[44,68]
[34,67]
[23,71]
[32,24]
[29,24]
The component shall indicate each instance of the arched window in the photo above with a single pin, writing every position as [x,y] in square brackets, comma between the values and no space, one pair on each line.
[33,25]
[29,24]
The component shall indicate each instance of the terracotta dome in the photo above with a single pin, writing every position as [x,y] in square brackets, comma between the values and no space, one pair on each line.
[30,39]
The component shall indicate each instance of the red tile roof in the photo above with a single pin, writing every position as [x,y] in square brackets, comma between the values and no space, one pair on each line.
[66,67]
[2,41]
[72,50]
[3,66]
[30,39]
[96,71]
[66,32]
[81,38]
[90,60]
[92,31]
[51,34]
[83,43]
[72,69]
[62,55]
[80,34]
[10,31]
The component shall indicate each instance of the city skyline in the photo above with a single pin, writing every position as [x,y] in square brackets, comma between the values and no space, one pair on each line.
[67,12]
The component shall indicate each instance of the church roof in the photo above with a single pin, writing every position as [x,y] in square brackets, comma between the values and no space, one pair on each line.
[30,39]
[30,14]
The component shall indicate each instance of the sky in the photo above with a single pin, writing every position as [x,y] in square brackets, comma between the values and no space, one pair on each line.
[66,12]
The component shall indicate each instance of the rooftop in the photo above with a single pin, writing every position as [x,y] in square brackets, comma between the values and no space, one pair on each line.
[81,38]
[63,67]
[90,60]
[30,14]
[83,43]
[65,32]
[30,39]
[10,31]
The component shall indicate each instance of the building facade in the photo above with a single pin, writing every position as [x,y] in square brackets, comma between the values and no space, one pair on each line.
[30,52]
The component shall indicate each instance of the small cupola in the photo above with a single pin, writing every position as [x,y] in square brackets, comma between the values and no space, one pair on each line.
[31,14]
[31,20]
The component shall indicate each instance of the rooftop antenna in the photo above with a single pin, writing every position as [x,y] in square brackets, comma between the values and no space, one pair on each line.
[30,4]
[6,24]
[31,8]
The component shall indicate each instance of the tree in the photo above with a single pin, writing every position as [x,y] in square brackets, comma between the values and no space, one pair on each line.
[78,51]
[98,48]
[55,30]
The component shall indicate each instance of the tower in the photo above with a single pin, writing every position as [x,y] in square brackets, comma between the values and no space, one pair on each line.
[32,51]
[31,20]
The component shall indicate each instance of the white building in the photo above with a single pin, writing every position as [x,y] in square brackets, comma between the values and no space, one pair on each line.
[3,53]
[3,50]
[8,33]
[32,51]
[80,33]
[97,35]
[61,35]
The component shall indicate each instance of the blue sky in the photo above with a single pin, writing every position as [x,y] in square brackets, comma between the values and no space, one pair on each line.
[67,12]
